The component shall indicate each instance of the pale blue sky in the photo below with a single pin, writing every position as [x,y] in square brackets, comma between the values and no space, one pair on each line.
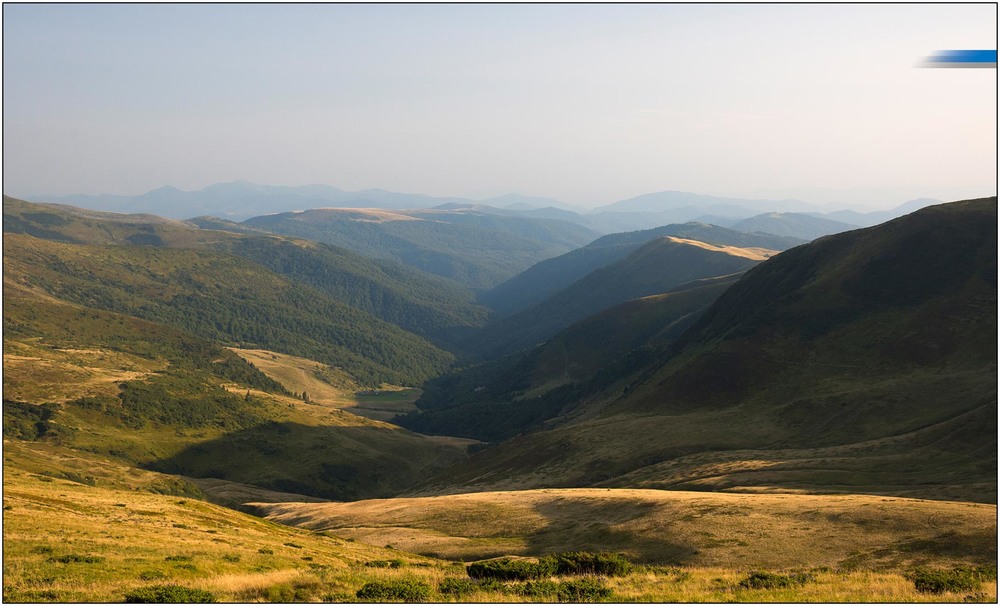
[589,104]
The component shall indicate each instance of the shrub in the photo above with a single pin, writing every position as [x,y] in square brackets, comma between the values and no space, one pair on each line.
[771,580]
[265,551]
[404,590]
[583,562]
[939,581]
[507,569]
[74,557]
[457,586]
[587,589]
[537,589]
[172,594]
[280,593]
[178,558]
[152,575]
[231,557]
[393,563]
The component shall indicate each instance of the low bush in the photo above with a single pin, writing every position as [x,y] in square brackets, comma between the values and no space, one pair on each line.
[393,563]
[152,575]
[457,587]
[74,557]
[404,590]
[168,594]
[587,589]
[536,589]
[583,562]
[939,581]
[507,569]
[771,580]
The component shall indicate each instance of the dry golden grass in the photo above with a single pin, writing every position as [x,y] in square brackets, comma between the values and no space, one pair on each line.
[370,215]
[146,539]
[689,528]
[328,387]
[143,538]
[757,254]
[34,372]
[324,385]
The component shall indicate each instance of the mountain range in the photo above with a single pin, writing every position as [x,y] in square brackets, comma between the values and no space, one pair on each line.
[469,382]
[241,200]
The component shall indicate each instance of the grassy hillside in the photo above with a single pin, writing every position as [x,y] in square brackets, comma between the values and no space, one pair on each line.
[862,362]
[760,531]
[82,528]
[477,250]
[548,277]
[432,307]
[154,534]
[422,303]
[660,265]
[226,298]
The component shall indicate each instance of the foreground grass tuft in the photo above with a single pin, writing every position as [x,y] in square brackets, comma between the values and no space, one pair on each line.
[958,579]
[401,590]
[771,580]
[168,594]
[507,569]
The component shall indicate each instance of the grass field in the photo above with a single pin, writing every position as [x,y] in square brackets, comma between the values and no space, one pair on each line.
[107,533]
[330,387]
[701,529]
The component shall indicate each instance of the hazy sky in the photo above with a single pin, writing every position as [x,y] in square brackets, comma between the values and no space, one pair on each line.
[589,104]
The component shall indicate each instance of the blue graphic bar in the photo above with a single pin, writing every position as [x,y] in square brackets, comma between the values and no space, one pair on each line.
[962,58]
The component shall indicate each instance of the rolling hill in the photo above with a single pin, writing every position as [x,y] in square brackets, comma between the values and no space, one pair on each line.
[754,531]
[793,225]
[658,266]
[424,304]
[861,362]
[239,200]
[475,249]
[222,297]
[548,277]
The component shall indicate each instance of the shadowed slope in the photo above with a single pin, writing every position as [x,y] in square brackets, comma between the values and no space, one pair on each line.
[548,277]
[659,266]
[883,338]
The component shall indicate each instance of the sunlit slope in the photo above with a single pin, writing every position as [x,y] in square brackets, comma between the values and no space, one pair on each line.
[687,528]
[417,301]
[478,250]
[159,398]
[862,362]
[223,297]
[82,528]
[548,277]
[659,266]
